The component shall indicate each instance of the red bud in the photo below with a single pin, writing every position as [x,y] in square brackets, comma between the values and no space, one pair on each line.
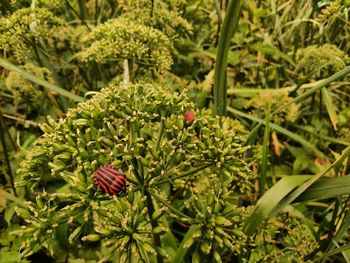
[189,116]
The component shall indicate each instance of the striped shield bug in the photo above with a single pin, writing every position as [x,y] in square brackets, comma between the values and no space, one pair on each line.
[108,179]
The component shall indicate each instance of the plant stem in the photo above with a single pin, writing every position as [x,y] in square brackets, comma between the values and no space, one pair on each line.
[154,224]
[184,174]
[126,74]
[174,210]
[3,142]
[160,134]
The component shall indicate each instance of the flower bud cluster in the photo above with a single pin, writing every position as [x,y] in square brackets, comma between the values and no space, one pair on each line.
[24,27]
[141,130]
[219,225]
[123,38]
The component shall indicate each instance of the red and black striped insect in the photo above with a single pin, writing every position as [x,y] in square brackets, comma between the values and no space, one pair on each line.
[110,180]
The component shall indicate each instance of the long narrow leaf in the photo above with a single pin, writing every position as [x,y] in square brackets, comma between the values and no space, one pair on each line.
[330,107]
[343,227]
[301,189]
[265,155]
[9,66]
[333,252]
[282,194]
[293,136]
[228,29]
[325,188]
[271,198]
[320,84]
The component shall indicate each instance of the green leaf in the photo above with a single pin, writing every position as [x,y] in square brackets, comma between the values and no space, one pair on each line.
[317,85]
[282,194]
[306,185]
[333,252]
[228,29]
[9,66]
[265,155]
[330,107]
[326,187]
[270,199]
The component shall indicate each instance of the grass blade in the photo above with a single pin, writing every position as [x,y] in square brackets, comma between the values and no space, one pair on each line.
[333,252]
[228,29]
[330,107]
[318,85]
[9,66]
[325,188]
[281,195]
[301,189]
[291,135]
[270,200]
[265,155]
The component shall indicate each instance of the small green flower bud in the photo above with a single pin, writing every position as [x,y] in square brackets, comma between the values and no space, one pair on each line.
[202,145]
[195,257]
[205,247]
[45,128]
[228,243]
[64,156]
[197,203]
[217,257]
[237,233]
[106,142]
[24,213]
[158,213]
[51,121]
[92,237]
[162,252]
[222,221]
[159,230]
[127,110]
[76,233]
[81,122]
[210,200]
[168,124]
[219,240]
[208,142]
[131,197]
[39,153]
[39,202]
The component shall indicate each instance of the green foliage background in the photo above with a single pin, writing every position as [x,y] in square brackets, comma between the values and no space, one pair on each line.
[267,182]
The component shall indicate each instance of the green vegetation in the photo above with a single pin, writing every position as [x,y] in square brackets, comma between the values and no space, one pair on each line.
[230,120]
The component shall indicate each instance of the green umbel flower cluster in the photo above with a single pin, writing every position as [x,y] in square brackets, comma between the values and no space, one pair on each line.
[284,239]
[274,100]
[321,60]
[122,38]
[181,175]
[163,15]
[24,28]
